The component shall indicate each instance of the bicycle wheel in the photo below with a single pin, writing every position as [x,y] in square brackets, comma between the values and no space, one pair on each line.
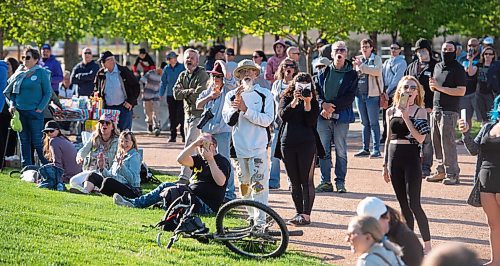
[246,233]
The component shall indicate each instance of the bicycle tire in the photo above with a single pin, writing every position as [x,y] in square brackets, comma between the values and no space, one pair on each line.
[281,229]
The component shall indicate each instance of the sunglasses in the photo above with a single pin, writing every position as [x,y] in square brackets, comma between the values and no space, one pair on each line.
[104,122]
[365,47]
[472,45]
[412,87]
[289,65]
[296,53]
[340,50]
[489,54]
[255,56]
[395,48]
[49,131]
[218,76]
[87,53]
[26,57]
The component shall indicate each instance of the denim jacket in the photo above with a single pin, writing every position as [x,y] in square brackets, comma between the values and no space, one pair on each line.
[128,172]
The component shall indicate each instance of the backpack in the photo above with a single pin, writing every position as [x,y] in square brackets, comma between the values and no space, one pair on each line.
[147,175]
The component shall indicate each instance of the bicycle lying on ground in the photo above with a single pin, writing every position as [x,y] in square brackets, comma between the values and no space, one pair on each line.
[263,234]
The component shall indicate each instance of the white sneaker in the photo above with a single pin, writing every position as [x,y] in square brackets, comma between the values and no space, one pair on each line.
[121,201]
[78,190]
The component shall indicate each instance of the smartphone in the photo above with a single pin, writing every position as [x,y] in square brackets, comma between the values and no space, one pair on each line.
[403,101]
[206,145]
[463,114]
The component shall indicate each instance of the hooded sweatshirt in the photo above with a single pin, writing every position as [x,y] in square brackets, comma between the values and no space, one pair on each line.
[3,82]
[274,62]
[56,76]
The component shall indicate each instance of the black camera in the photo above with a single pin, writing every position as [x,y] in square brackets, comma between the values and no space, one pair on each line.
[205,117]
[306,92]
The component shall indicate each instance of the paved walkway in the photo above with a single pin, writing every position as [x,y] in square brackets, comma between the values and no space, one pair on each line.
[450,218]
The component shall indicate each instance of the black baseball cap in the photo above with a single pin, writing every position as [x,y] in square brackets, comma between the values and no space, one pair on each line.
[105,56]
[230,51]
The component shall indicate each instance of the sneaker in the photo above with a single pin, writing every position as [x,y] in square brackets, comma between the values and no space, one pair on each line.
[437,177]
[172,140]
[362,153]
[451,181]
[375,155]
[298,220]
[157,132]
[182,181]
[150,128]
[324,187]
[122,201]
[341,188]
[78,190]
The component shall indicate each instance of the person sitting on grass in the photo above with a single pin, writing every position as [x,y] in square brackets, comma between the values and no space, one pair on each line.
[124,175]
[59,150]
[207,183]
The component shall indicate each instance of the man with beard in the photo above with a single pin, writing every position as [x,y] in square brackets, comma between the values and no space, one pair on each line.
[189,85]
[448,84]
[422,69]
[249,109]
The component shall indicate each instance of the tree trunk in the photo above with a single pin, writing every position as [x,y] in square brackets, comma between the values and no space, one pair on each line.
[374,38]
[407,52]
[307,52]
[264,43]
[71,53]
[394,36]
[1,44]
[239,39]
[276,37]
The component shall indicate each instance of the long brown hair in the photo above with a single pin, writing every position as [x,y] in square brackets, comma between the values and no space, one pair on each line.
[97,135]
[46,145]
[481,59]
[280,73]
[300,77]
[123,135]
[419,100]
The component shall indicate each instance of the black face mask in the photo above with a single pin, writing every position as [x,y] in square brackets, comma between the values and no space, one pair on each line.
[448,57]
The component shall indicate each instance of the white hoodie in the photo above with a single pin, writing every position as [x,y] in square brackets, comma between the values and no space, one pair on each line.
[249,133]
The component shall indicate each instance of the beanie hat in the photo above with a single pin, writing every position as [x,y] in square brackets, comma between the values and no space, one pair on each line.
[423,43]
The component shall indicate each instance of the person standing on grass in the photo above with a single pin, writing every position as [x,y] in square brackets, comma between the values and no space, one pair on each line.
[287,70]
[188,87]
[448,83]
[422,69]
[83,74]
[406,129]
[211,101]
[487,146]
[59,150]
[175,107]
[298,143]
[370,86]
[118,87]
[337,84]
[28,91]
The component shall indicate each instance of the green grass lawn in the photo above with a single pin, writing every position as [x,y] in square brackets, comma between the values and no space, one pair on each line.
[39,226]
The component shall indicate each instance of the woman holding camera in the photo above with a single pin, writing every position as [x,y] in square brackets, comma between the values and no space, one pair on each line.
[298,143]
[212,101]
[406,129]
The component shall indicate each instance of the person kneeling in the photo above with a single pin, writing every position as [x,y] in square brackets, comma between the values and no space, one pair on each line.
[124,176]
[207,183]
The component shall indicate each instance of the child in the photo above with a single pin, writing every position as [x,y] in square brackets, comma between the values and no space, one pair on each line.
[151,99]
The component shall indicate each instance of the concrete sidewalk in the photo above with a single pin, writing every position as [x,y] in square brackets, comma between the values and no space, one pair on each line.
[450,218]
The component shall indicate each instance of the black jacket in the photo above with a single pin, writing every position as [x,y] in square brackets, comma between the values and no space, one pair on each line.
[406,238]
[132,87]
[83,75]
[423,77]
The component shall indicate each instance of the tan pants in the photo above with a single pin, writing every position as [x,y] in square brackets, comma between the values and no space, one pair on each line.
[150,110]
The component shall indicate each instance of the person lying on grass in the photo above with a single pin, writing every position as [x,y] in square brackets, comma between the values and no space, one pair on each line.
[207,183]
[124,175]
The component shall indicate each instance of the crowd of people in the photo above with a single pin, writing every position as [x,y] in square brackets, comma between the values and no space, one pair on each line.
[231,114]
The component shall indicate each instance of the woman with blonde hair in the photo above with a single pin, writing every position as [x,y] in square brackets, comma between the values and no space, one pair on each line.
[406,129]
[123,177]
[366,238]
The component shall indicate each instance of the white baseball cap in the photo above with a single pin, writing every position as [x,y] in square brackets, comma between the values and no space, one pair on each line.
[371,206]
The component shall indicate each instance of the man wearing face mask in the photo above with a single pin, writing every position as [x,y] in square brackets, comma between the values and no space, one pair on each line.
[470,65]
[337,85]
[249,109]
[422,69]
[189,85]
[448,84]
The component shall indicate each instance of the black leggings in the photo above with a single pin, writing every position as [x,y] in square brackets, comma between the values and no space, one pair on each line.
[110,186]
[299,164]
[175,116]
[406,178]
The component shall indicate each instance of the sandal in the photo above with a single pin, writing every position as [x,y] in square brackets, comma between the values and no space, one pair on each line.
[299,220]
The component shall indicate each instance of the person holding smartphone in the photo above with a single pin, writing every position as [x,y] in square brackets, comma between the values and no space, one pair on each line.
[406,129]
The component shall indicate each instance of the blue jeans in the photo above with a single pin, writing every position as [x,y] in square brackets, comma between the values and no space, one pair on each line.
[31,135]
[328,130]
[274,180]
[223,140]
[368,108]
[153,197]
[125,118]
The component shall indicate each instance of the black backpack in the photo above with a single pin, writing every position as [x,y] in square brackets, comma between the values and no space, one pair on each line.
[147,175]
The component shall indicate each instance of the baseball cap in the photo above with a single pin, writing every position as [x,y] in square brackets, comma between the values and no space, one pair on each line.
[171,55]
[371,206]
[51,126]
[323,61]
[105,56]
[488,40]
[142,51]
[46,46]
[230,51]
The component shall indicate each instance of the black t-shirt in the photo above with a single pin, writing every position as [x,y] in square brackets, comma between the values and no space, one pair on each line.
[482,79]
[450,76]
[204,186]
[423,73]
